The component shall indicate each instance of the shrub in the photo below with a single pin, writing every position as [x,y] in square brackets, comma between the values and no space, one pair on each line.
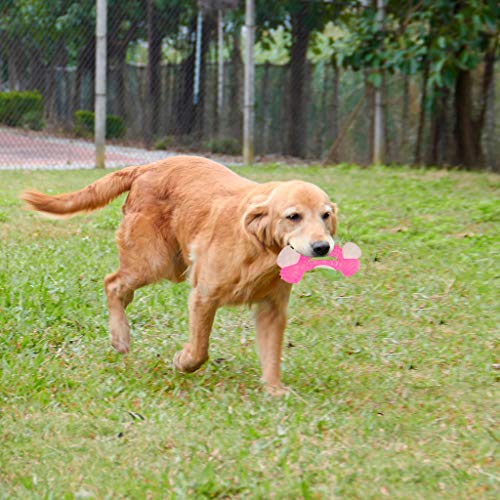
[114,127]
[33,120]
[15,105]
[85,120]
[165,143]
[226,145]
[84,123]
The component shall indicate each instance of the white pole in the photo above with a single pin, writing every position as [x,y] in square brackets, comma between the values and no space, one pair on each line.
[220,88]
[197,62]
[100,82]
[378,126]
[248,110]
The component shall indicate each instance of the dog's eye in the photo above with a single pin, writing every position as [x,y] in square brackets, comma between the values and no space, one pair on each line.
[295,217]
[325,215]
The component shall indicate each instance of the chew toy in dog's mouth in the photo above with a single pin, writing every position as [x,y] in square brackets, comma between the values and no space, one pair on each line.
[294,265]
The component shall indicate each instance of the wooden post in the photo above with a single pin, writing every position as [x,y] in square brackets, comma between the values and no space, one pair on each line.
[248,108]
[100,83]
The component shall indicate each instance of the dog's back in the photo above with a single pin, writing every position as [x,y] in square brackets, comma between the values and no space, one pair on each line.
[164,178]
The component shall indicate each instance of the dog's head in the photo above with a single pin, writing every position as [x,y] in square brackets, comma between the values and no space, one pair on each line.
[295,213]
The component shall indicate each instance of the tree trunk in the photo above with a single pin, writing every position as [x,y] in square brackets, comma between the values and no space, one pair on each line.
[37,71]
[467,130]
[209,26]
[438,127]
[265,129]
[434,133]
[320,117]
[85,64]
[387,145]
[68,98]
[14,63]
[335,102]
[235,108]
[370,113]
[491,138]
[51,99]
[120,75]
[379,144]
[298,67]
[185,106]
[405,120]
[190,116]
[117,56]
[332,152]
[421,120]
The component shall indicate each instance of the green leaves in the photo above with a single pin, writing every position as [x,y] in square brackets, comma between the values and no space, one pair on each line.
[375,79]
[448,35]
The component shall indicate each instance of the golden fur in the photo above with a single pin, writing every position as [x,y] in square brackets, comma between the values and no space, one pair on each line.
[189,217]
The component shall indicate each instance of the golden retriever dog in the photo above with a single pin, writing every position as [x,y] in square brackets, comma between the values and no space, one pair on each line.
[190,217]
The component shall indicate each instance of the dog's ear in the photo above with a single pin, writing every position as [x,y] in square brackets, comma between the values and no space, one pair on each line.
[257,222]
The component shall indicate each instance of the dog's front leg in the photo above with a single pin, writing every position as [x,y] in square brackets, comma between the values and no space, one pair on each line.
[270,322]
[201,317]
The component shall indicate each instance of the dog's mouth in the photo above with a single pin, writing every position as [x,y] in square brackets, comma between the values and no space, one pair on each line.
[300,253]
[310,254]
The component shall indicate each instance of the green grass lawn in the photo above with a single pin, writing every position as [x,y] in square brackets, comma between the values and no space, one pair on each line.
[392,371]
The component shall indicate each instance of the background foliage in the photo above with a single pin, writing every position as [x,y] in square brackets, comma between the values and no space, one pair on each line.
[434,61]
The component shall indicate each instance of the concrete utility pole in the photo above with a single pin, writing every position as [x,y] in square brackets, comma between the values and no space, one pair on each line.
[248,110]
[220,76]
[153,75]
[197,61]
[378,126]
[100,82]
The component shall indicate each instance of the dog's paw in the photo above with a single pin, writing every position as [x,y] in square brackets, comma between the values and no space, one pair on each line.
[123,347]
[276,391]
[185,363]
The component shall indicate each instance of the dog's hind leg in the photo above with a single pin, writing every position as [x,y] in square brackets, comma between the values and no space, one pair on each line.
[119,295]
[145,257]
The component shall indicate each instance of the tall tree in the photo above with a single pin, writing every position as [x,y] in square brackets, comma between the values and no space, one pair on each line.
[301,18]
[301,32]
[447,40]
[125,20]
[462,36]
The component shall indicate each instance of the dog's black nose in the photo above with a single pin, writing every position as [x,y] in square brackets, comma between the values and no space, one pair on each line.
[321,248]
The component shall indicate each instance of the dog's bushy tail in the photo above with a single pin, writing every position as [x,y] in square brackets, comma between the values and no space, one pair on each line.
[96,195]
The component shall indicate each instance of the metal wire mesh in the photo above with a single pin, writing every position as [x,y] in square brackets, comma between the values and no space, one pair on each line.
[167,89]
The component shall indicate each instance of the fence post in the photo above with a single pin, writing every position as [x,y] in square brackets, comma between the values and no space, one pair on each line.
[248,110]
[100,82]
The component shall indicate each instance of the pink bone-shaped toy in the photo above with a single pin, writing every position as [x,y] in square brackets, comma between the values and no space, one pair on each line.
[294,265]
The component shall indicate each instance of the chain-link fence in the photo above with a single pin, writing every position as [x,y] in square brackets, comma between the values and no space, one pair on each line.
[169,90]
